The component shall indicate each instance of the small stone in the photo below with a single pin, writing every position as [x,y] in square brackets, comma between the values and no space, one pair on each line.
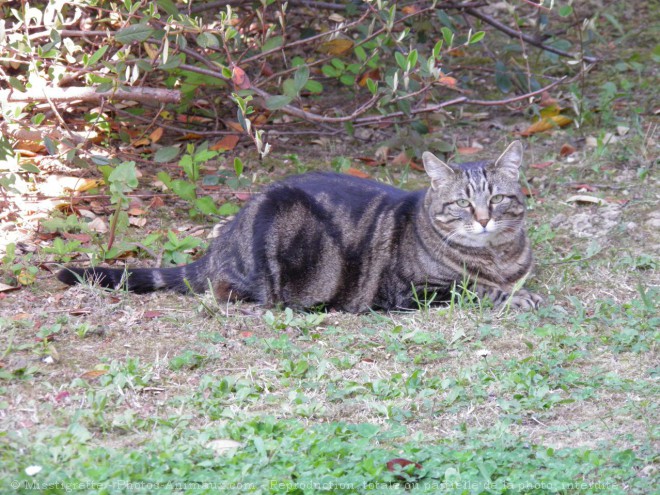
[631,226]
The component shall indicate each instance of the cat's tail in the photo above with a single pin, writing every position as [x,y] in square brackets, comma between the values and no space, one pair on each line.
[182,279]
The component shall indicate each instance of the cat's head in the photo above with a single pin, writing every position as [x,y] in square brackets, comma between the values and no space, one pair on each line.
[476,203]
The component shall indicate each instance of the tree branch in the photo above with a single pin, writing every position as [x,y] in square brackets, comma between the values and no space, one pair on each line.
[515,34]
[142,95]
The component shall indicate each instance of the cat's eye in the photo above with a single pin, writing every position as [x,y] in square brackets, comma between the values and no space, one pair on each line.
[498,198]
[463,203]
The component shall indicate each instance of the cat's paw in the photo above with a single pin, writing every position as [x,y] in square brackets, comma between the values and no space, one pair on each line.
[525,300]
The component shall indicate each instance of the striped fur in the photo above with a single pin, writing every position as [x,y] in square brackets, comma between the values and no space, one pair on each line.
[355,244]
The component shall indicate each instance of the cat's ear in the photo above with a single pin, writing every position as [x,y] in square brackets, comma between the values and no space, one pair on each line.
[436,169]
[510,161]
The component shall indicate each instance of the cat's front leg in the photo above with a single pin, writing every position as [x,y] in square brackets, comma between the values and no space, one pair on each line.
[521,299]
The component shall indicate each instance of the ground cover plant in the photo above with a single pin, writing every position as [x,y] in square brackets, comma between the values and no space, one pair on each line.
[110,392]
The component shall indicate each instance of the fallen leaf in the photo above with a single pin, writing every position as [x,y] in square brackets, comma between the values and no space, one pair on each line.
[242,196]
[529,192]
[240,78]
[368,161]
[584,187]
[567,150]
[92,374]
[7,288]
[583,198]
[135,210]
[137,221]
[334,17]
[227,143]
[410,9]
[156,135]
[152,314]
[335,47]
[357,173]
[546,124]
[77,237]
[542,164]
[62,395]
[468,150]
[448,81]
[234,125]
[156,202]
[80,312]
[373,74]
[98,225]
[141,142]
[399,464]
[245,334]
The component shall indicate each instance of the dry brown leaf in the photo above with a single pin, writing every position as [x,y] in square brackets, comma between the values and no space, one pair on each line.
[92,374]
[7,288]
[78,237]
[448,81]
[227,143]
[468,150]
[546,124]
[240,78]
[373,74]
[137,221]
[335,47]
[357,173]
[567,150]
[98,225]
[541,165]
[156,202]
[156,135]
[233,125]
[583,198]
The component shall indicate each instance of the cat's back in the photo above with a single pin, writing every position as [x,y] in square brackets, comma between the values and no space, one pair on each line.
[339,189]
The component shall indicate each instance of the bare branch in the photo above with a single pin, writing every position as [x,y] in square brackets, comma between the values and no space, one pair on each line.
[142,95]
[529,39]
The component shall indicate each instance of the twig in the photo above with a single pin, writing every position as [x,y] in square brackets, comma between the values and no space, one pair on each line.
[463,99]
[89,94]
[529,39]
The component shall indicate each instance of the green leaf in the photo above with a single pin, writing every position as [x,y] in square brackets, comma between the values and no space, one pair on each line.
[289,88]
[502,79]
[477,37]
[123,178]
[301,77]
[278,101]
[206,205]
[50,145]
[97,55]
[329,71]
[184,190]
[207,40]
[168,6]
[360,53]
[314,87]
[16,84]
[565,10]
[238,166]
[31,168]
[166,154]
[412,58]
[133,34]
[436,49]
[347,79]
[401,60]
[165,178]
[38,118]
[373,86]
[448,35]
[228,209]
[274,42]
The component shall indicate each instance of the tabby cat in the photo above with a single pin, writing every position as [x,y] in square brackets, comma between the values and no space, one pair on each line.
[355,244]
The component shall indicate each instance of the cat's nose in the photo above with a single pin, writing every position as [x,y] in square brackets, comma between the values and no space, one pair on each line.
[483,221]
